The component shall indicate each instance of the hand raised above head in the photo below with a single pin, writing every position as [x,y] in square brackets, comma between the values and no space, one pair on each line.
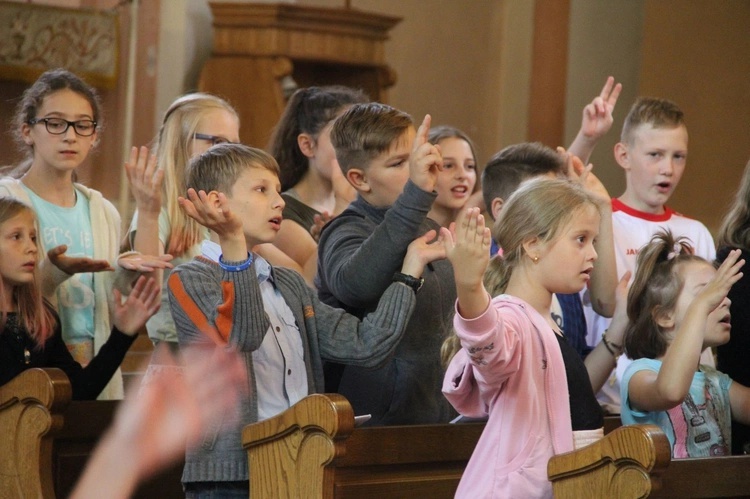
[145,179]
[425,160]
[597,115]
[76,264]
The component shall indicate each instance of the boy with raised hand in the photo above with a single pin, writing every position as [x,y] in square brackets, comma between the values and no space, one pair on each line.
[234,298]
[394,172]
[652,152]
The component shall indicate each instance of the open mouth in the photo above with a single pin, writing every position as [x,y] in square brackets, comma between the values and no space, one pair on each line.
[727,319]
[664,186]
[460,189]
[276,222]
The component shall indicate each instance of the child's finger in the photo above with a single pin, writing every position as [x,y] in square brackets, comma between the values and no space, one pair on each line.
[423,132]
[612,99]
[607,88]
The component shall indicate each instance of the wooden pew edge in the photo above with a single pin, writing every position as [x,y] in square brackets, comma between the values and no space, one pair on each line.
[49,386]
[337,420]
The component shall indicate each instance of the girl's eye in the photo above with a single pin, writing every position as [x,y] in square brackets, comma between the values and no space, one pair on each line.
[447,165]
[471,166]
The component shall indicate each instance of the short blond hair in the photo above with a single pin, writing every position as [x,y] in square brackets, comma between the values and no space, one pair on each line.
[659,113]
[219,168]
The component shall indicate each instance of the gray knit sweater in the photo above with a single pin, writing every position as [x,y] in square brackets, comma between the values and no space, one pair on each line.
[208,302]
[358,253]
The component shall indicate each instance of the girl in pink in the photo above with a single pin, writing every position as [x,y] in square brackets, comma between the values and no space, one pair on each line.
[514,366]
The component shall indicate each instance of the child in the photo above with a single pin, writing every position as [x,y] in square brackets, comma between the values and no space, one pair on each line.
[57,123]
[502,176]
[395,174]
[652,152]
[515,366]
[269,314]
[678,307]
[193,123]
[457,181]
[731,357]
[311,179]
[30,329]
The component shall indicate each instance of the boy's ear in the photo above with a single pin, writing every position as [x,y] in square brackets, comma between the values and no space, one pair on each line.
[213,198]
[306,144]
[496,206]
[622,155]
[358,179]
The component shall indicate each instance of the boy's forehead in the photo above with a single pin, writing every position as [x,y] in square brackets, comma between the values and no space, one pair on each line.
[257,172]
[403,142]
[647,133]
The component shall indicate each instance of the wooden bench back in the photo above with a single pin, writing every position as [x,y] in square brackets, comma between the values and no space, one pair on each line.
[31,407]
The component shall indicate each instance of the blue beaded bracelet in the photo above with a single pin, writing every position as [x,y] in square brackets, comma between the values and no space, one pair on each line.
[236,268]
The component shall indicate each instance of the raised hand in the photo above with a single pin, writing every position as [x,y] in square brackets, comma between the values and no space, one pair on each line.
[467,246]
[145,180]
[421,251]
[597,115]
[142,302]
[584,175]
[425,160]
[219,219]
[76,264]
[717,288]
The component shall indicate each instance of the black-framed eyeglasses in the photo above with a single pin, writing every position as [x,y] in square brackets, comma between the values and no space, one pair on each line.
[58,126]
[213,139]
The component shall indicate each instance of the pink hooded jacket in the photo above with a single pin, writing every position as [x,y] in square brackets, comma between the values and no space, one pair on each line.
[510,369]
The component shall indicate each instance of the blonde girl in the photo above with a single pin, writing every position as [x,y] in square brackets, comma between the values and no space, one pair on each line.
[678,307]
[514,366]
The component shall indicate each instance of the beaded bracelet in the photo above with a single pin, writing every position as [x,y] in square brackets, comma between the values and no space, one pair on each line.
[236,268]
[611,346]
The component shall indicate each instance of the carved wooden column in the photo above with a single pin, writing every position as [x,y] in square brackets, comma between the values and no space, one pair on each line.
[257,45]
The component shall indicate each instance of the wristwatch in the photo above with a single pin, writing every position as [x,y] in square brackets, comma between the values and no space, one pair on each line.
[414,283]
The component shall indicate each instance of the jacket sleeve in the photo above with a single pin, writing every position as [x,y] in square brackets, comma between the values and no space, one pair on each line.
[358,261]
[493,343]
[209,304]
[370,342]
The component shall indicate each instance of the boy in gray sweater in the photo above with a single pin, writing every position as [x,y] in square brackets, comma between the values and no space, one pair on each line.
[235,299]
[394,171]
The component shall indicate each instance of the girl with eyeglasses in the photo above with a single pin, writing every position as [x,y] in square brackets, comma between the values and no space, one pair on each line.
[57,123]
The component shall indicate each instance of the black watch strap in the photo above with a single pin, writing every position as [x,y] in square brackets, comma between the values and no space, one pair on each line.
[414,283]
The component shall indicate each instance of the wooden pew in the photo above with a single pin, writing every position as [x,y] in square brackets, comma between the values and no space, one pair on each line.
[31,407]
[313,451]
[634,461]
[46,439]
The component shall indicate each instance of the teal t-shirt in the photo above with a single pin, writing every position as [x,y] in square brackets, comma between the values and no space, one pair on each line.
[699,427]
[75,297]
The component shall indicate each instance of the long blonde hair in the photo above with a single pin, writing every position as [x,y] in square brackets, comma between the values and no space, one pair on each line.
[33,315]
[540,208]
[173,154]
[735,228]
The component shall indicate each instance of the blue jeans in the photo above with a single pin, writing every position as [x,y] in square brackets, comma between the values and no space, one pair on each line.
[217,490]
